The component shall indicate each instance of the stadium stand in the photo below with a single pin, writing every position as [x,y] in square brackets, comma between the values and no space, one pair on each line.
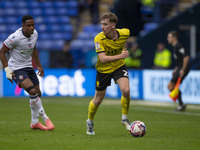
[52,20]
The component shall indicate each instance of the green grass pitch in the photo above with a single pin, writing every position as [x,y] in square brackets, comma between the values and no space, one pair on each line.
[166,129]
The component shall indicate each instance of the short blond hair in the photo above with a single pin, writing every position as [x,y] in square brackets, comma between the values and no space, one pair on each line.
[110,16]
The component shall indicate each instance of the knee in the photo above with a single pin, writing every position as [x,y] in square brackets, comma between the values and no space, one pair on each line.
[33,92]
[39,93]
[126,92]
[97,101]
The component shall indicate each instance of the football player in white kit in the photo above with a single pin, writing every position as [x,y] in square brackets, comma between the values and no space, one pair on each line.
[21,46]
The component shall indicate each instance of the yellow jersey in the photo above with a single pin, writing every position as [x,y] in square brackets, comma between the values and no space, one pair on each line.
[110,47]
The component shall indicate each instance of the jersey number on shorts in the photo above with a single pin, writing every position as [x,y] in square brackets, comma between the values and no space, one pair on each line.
[125,73]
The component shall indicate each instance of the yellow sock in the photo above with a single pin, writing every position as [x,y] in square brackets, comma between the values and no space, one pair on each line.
[125,105]
[92,109]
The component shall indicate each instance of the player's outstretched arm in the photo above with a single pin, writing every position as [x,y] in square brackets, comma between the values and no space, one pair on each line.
[104,58]
[37,61]
[9,74]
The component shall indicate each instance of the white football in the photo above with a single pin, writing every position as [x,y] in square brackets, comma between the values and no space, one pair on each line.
[137,129]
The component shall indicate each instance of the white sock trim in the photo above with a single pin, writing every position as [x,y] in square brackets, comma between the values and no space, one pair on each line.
[124,116]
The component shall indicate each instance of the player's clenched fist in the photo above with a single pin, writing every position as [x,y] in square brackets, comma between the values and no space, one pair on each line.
[125,53]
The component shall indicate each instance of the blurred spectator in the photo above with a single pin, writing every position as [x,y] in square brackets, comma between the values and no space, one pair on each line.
[135,56]
[62,59]
[90,6]
[93,6]
[162,59]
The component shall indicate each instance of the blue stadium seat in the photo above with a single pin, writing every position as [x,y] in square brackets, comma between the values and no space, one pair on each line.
[89,28]
[94,34]
[36,12]
[89,44]
[51,19]
[39,20]
[77,44]
[3,36]
[59,28]
[21,4]
[44,36]
[50,44]
[83,36]
[3,28]
[57,36]
[66,28]
[9,4]
[44,44]
[49,12]
[58,44]
[33,4]
[72,4]
[53,28]
[2,20]
[19,20]
[1,11]
[62,11]
[60,4]
[10,20]
[67,36]
[9,12]
[2,4]
[12,28]
[41,28]
[64,20]
[22,11]
[46,4]
[73,12]
[98,28]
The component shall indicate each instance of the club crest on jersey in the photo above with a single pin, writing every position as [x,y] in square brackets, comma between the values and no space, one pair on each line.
[97,45]
[21,77]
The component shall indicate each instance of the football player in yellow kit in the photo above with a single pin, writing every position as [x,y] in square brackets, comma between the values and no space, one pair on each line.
[110,64]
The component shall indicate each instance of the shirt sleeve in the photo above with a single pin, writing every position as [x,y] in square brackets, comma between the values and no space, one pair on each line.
[99,45]
[11,41]
[181,51]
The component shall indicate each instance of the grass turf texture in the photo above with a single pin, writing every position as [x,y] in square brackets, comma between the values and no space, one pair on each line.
[166,129]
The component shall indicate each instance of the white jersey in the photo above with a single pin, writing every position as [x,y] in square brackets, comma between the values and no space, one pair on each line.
[21,49]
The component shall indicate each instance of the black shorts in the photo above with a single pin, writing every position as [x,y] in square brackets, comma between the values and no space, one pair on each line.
[176,75]
[104,79]
[25,73]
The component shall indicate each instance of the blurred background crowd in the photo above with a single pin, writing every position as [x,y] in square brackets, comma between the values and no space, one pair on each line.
[67,29]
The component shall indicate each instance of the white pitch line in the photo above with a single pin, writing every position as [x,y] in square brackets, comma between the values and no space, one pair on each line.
[155,104]
[7,122]
[168,111]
